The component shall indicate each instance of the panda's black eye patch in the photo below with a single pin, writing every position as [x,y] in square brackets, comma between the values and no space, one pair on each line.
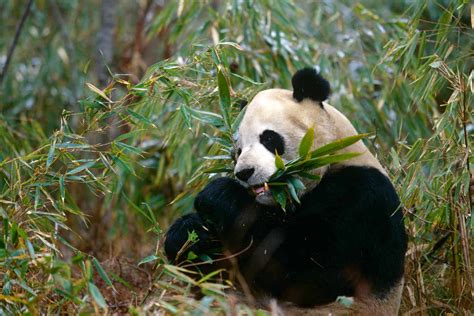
[272,141]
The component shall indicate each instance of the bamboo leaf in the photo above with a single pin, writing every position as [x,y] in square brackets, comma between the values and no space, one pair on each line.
[310,176]
[337,145]
[148,259]
[224,96]
[211,118]
[306,143]
[101,271]
[81,168]
[128,148]
[279,163]
[50,158]
[191,256]
[210,275]
[184,111]
[141,118]
[98,298]
[345,301]
[62,190]
[329,159]
[279,195]
[125,136]
[73,146]
[297,183]
[436,64]
[98,91]
[293,193]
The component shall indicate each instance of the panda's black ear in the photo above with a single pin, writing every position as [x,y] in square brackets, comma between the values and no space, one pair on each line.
[307,83]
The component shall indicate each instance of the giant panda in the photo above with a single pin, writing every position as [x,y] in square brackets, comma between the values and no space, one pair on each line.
[345,239]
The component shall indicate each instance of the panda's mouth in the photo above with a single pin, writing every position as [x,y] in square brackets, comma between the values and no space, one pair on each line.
[260,189]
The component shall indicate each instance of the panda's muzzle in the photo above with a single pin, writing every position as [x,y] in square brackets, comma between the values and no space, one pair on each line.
[245,174]
[260,189]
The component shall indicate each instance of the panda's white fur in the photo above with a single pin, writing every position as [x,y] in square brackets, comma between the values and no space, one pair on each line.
[277,110]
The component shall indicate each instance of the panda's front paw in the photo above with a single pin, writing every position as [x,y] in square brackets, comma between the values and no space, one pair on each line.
[188,234]
[221,201]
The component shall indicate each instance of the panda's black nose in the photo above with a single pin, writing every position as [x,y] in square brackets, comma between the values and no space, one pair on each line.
[245,174]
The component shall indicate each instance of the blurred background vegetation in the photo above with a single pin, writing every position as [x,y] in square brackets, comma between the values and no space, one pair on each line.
[111,118]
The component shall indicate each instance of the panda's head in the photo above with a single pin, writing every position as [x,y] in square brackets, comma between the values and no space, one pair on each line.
[276,120]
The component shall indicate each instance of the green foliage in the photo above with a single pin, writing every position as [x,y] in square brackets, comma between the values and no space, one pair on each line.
[101,176]
[286,181]
[306,143]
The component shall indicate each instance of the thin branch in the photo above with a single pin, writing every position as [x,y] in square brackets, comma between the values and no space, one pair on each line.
[19,28]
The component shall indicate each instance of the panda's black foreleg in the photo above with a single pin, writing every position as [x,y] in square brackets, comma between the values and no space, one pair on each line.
[219,207]
[189,234]
[222,204]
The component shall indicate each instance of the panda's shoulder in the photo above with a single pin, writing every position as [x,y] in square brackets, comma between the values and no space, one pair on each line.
[355,188]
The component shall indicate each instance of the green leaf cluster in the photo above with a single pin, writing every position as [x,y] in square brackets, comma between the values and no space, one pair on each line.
[286,182]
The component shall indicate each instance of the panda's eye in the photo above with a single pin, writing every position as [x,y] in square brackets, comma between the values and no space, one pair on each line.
[273,141]
[239,151]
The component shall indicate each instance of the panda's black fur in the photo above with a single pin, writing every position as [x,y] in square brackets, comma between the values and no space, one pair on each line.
[346,238]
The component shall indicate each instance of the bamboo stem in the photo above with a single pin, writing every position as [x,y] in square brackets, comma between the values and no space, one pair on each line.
[19,28]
